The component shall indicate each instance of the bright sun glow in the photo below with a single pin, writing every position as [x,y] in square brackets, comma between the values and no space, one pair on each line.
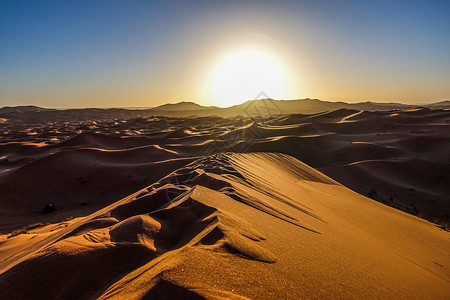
[243,74]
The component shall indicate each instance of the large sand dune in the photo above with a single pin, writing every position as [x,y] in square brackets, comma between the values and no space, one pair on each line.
[256,225]
[398,157]
[214,207]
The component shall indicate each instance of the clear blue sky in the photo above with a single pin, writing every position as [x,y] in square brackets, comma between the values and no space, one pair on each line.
[145,53]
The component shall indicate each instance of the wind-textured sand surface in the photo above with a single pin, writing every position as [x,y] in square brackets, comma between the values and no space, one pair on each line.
[398,157]
[225,226]
[210,207]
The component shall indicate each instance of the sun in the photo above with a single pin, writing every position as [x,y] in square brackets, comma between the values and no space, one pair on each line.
[243,73]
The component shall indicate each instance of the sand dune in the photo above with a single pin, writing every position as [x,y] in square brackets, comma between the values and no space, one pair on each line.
[225,226]
[76,179]
[396,157]
[212,207]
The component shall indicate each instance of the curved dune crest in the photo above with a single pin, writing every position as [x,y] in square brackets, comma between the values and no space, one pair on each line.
[239,208]
[224,226]
[67,163]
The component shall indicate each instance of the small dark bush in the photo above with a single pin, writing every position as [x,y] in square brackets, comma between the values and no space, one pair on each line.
[48,208]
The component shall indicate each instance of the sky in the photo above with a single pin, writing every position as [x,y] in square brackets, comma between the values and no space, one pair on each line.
[66,54]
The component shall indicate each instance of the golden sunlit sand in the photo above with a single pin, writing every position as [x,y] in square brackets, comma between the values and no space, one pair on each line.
[165,208]
[224,226]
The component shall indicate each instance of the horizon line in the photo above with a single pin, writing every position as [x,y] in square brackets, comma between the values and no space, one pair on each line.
[222,107]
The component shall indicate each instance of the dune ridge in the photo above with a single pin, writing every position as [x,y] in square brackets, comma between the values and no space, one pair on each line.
[396,157]
[224,226]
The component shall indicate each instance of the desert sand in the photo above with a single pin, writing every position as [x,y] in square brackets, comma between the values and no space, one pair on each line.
[210,207]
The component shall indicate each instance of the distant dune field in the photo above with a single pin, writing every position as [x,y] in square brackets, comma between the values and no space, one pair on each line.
[397,157]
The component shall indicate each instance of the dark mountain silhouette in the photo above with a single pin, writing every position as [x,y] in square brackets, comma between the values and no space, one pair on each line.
[182,106]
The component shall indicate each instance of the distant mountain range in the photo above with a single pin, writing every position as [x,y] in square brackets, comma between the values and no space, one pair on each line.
[251,108]
[182,106]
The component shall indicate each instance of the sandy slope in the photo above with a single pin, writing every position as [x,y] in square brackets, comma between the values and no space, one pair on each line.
[257,225]
[398,157]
